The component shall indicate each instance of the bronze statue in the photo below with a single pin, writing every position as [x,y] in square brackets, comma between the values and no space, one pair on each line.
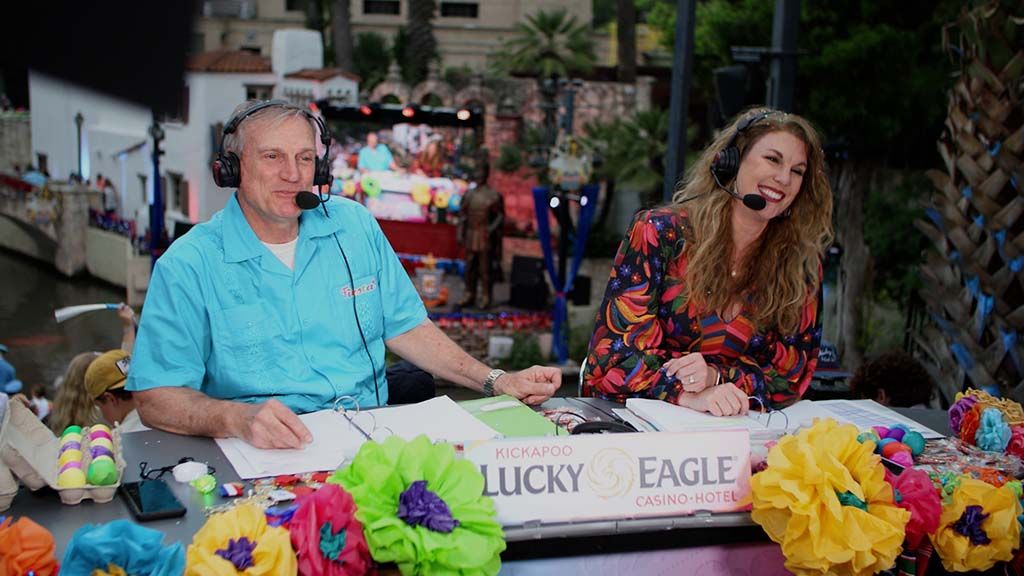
[480,233]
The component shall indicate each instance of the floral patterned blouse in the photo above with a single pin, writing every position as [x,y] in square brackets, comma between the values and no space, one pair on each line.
[642,323]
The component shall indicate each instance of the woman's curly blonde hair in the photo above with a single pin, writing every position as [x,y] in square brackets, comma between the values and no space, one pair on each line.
[779,271]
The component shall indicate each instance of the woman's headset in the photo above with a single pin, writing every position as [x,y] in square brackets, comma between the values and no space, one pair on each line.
[726,164]
[227,168]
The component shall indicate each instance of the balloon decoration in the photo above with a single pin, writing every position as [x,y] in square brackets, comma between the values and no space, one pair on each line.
[348,189]
[442,198]
[421,193]
[371,186]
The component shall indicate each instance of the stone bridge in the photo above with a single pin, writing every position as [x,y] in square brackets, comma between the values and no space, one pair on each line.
[47,223]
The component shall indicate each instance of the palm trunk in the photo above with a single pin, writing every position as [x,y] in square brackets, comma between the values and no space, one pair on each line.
[341,32]
[626,36]
[853,178]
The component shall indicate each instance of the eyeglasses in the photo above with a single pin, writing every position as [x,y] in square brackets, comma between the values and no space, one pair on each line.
[147,473]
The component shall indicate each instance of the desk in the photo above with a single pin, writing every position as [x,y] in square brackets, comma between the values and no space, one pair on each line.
[538,546]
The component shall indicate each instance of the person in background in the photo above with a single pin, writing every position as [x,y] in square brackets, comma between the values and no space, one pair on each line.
[9,382]
[73,405]
[40,403]
[104,381]
[714,300]
[893,379]
[430,162]
[375,156]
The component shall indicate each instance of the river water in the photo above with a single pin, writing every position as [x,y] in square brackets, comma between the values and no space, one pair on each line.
[40,349]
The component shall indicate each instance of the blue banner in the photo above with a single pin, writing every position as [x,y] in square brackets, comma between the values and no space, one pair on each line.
[588,205]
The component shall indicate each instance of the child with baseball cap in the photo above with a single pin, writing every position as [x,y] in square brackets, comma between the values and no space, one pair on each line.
[104,381]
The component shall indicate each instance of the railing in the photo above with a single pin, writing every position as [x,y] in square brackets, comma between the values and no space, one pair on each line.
[244,9]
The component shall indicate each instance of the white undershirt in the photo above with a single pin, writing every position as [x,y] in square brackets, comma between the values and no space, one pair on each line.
[284,252]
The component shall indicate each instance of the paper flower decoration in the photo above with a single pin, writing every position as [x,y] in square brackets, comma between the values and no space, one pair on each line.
[978,528]
[421,193]
[422,508]
[455,202]
[371,186]
[441,199]
[825,500]
[993,432]
[326,535]
[914,491]
[958,409]
[1016,444]
[970,423]
[122,546]
[237,541]
[26,547]
[349,188]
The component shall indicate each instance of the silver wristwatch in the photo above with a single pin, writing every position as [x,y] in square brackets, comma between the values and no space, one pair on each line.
[492,377]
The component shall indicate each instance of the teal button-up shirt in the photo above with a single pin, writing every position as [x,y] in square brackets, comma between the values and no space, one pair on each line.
[224,316]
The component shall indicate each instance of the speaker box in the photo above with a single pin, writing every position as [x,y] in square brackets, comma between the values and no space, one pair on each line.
[580,293]
[528,289]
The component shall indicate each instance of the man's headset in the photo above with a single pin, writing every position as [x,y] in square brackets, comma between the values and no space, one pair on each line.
[227,168]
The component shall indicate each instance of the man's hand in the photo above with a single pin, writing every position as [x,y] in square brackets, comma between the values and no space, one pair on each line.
[723,400]
[270,425]
[533,385]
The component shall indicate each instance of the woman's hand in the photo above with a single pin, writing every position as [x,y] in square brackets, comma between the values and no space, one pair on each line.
[723,400]
[692,370]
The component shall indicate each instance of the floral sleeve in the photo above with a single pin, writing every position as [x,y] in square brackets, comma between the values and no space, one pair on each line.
[626,349]
[777,368]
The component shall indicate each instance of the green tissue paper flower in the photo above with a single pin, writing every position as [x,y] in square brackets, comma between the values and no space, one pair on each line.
[378,476]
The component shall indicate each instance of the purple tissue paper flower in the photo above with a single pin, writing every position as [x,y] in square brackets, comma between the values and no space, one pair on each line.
[238,552]
[969,525]
[957,411]
[417,505]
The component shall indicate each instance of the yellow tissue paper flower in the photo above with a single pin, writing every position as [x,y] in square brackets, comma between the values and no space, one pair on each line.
[825,500]
[978,512]
[240,542]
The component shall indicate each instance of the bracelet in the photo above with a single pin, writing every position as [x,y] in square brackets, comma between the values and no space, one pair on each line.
[718,377]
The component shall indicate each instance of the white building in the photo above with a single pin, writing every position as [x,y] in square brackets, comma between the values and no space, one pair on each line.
[115,133]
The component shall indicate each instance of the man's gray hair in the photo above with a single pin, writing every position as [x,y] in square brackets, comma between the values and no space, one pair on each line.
[276,114]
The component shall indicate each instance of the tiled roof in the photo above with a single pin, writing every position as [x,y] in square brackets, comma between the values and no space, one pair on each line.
[228,61]
[322,74]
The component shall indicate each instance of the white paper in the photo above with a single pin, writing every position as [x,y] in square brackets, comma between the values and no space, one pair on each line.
[866,413]
[336,439]
[861,413]
[440,418]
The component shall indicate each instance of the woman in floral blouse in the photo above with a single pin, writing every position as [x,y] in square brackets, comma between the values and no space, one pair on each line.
[710,301]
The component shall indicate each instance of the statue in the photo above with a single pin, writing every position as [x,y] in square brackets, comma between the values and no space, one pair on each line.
[480,233]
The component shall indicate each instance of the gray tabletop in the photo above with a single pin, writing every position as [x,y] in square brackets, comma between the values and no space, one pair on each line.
[163,449]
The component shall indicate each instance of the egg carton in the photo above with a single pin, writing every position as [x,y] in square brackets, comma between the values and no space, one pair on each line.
[30,449]
[8,485]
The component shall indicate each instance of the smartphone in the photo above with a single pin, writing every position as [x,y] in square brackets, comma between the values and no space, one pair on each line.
[151,500]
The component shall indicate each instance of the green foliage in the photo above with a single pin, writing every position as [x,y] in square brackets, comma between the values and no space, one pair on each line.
[603,242]
[547,44]
[579,340]
[889,214]
[372,56]
[510,159]
[604,13]
[525,353]
[633,150]
[458,76]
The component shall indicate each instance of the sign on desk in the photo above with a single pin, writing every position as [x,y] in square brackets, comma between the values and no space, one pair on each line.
[603,476]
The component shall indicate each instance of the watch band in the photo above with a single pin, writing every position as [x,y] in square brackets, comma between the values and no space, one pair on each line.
[492,377]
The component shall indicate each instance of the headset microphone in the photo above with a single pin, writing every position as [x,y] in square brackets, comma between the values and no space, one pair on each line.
[752,201]
[307,200]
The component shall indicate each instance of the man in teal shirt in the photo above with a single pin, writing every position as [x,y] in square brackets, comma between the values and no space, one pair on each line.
[251,316]
[375,156]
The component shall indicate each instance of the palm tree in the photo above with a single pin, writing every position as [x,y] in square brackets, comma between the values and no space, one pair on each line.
[974,277]
[421,46]
[549,44]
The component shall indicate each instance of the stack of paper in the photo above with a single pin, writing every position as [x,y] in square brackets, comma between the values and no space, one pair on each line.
[337,436]
[511,417]
[861,413]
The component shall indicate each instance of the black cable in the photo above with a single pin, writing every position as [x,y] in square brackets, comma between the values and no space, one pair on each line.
[355,311]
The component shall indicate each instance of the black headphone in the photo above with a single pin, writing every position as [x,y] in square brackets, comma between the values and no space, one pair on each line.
[726,164]
[227,168]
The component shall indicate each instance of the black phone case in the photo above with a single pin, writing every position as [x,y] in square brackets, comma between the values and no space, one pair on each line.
[145,517]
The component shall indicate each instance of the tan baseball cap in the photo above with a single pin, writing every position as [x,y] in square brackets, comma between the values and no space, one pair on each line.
[109,371]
